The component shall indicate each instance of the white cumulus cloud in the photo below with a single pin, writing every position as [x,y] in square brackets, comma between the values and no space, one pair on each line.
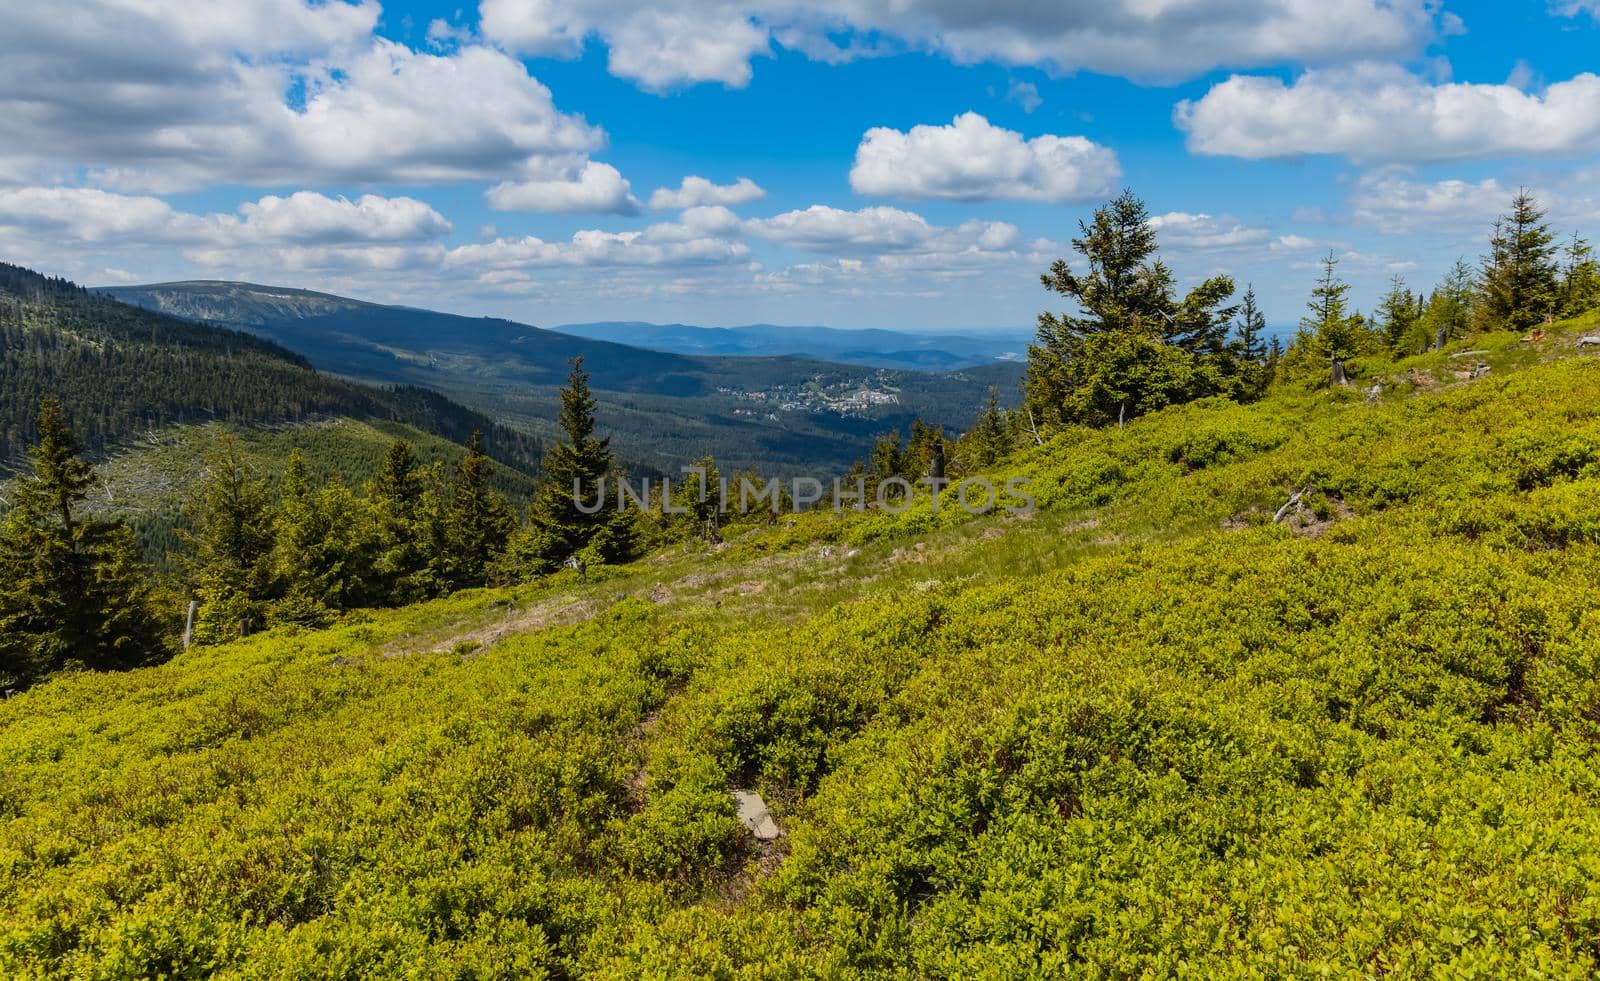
[971,159]
[1382,112]
[160,95]
[596,188]
[1396,201]
[89,215]
[881,232]
[303,218]
[696,191]
[821,228]
[677,42]
[661,47]
[1201,232]
[307,217]
[303,232]
[593,247]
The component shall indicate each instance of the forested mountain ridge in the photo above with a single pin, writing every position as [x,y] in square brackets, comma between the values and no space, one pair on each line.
[780,414]
[120,370]
[390,342]
[89,314]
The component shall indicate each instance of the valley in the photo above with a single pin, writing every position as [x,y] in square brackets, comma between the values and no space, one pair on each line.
[663,409]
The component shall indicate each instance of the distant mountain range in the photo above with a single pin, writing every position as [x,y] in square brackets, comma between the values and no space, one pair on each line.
[783,414]
[874,348]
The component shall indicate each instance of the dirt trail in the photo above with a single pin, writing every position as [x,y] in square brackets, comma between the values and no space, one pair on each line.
[554,612]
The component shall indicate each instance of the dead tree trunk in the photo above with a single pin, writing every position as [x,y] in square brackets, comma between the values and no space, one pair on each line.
[188,625]
[1291,504]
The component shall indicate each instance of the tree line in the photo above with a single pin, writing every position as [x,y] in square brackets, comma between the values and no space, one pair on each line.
[1527,279]
[928,451]
[303,554]
[272,550]
[1134,345]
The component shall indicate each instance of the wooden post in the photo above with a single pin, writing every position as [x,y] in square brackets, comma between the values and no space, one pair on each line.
[188,626]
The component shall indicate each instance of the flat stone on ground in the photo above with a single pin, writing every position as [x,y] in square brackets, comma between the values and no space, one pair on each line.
[754,815]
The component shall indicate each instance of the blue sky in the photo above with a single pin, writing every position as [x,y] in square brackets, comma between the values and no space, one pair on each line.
[910,165]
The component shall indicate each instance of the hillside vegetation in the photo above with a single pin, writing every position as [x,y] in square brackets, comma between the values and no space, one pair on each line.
[1144,728]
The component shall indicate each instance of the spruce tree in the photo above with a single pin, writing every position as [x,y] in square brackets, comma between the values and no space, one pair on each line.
[298,531]
[1398,315]
[922,448]
[73,591]
[1199,324]
[1580,280]
[575,507]
[747,495]
[398,495]
[886,461]
[700,497]
[1120,289]
[1250,346]
[1250,341]
[324,549]
[434,525]
[938,462]
[1132,346]
[1448,313]
[230,562]
[991,437]
[1519,273]
[1329,331]
[479,522]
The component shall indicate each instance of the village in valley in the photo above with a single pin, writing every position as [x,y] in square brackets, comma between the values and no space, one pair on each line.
[847,398]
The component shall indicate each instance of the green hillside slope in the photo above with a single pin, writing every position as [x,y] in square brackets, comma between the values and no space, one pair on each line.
[149,482]
[1144,729]
[779,414]
[121,372]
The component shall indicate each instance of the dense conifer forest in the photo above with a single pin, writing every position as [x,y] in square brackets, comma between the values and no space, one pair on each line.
[120,371]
